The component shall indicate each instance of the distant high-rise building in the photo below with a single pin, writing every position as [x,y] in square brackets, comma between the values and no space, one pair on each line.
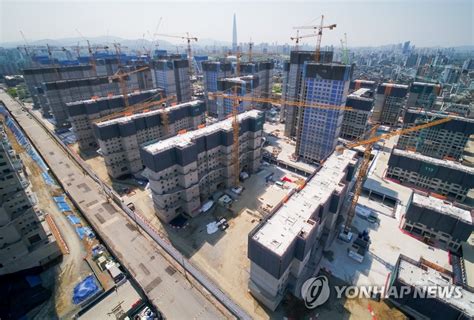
[406,47]
[411,60]
[234,35]
[450,74]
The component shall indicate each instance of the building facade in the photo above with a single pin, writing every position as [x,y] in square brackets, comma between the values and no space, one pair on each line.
[120,139]
[422,95]
[59,93]
[172,74]
[34,77]
[443,177]
[355,122]
[418,276]
[82,114]
[293,85]
[318,129]
[25,239]
[212,72]
[284,245]
[442,223]
[389,102]
[444,141]
[245,86]
[184,171]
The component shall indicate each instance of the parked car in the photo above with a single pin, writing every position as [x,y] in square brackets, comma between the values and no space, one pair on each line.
[237,190]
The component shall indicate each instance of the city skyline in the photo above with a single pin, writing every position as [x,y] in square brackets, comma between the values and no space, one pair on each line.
[361,20]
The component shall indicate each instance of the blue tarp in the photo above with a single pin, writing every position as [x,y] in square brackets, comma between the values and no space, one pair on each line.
[74,219]
[61,203]
[85,231]
[85,289]
[47,178]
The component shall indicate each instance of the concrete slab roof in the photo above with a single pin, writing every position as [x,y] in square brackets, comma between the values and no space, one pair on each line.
[442,206]
[412,274]
[283,227]
[444,163]
[186,139]
[147,114]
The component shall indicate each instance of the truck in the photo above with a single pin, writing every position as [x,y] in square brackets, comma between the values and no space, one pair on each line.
[115,272]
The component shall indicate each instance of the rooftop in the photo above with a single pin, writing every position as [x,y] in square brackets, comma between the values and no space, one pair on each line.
[395,85]
[444,163]
[440,114]
[186,139]
[147,114]
[291,219]
[414,275]
[442,206]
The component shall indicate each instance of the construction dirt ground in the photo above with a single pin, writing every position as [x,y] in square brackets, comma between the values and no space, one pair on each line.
[63,276]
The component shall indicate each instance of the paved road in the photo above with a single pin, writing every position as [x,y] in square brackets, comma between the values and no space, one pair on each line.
[167,289]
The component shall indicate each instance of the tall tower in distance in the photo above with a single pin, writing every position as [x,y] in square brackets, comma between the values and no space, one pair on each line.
[234,36]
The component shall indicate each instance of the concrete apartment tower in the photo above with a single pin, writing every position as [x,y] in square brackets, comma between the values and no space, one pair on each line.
[389,103]
[234,35]
[185,170]
[212,72]
[244,86]
[292,88]
[25,239]
[317,130]
[172,74]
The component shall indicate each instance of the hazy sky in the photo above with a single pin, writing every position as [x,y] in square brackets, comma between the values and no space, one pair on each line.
[424,22]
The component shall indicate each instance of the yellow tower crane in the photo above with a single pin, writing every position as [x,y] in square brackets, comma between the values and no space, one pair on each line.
[364,166]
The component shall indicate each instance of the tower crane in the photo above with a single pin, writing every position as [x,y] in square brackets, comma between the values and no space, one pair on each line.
[364,166]
[144,106]
[120,75]
[276,100]
[344,50]
[250,50]
[298,37]
[236,126]
[188,39]
[319,34]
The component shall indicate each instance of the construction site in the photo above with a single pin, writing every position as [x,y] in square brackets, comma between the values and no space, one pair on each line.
[258,192]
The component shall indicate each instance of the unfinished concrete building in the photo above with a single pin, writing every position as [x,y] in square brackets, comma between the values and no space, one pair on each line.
[440,222]
[120,139]
[82,114]
[264,72]
[444,141]
[245,86]
[362,84]
[389,103]
[285,248]
[212,72]
[34,77]
[422,95]
[293,84]
[184,171]
[355,122]
[172,74]
[418,277]
[25,239]
[318,129]
[443,177]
